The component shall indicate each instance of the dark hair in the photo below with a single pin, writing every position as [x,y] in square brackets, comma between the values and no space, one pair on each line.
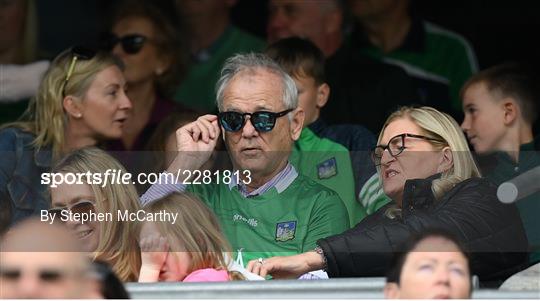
[298,56]
[399,258]
[111,286]
[511,79]
[171,36]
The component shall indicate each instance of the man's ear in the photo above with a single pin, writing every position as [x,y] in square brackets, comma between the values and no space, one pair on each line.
[323,92]
[511,110]
[72,106]
[447,160]
[391,290]
[297,123]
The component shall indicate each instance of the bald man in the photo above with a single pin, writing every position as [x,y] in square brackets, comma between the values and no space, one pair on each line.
[38,260]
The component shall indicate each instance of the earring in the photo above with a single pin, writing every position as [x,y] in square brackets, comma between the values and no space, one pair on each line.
[78,115]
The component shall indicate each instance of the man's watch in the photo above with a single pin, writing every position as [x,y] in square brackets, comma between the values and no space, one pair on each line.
[320,251]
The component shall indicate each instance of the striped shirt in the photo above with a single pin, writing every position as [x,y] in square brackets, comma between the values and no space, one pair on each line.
[163,187]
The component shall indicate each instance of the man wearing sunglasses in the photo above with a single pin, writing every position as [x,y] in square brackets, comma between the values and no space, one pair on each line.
[38,260]
[271,209]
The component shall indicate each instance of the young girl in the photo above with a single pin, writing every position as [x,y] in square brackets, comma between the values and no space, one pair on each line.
[190,249]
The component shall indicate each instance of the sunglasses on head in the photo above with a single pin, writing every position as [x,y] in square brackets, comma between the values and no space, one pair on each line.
[77,53]
[44,275]
[81,207]
[262,121]
[131,43]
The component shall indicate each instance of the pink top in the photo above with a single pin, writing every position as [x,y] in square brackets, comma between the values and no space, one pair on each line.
[207,275]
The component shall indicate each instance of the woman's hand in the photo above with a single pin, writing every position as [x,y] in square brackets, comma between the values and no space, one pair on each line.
[154,251]
[287,267]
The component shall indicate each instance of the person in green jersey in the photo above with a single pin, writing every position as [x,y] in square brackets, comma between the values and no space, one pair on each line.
[264,205]
[324,160]
[213,39]
[500,109]
[438,60]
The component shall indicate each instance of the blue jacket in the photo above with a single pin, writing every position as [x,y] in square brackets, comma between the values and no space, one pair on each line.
[21,165]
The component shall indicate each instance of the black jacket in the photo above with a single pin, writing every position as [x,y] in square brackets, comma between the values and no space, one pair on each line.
[490,230]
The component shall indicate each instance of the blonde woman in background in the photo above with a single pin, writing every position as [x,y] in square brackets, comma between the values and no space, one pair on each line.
[428,171]
[111,241]
[80,102]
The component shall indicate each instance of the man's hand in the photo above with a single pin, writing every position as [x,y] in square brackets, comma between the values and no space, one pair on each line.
[287,267]
[195,143]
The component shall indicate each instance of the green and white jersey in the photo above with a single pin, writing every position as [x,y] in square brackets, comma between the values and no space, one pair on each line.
[328,163]
[436,57]
[372,195]
[287,219]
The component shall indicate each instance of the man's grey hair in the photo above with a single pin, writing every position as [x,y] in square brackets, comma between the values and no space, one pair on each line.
[251,62]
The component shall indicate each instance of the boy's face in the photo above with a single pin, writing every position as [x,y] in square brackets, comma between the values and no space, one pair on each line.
[311,97]
[484,122]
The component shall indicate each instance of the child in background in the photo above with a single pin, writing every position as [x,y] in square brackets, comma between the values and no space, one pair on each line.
[190,250]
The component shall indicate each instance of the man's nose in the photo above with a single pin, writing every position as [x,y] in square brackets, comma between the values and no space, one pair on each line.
[249,130]
[466,124]
[29,286]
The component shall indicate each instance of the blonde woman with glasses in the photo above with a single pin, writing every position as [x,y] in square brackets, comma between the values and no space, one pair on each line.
[80,102]
[107,238]
[426,168]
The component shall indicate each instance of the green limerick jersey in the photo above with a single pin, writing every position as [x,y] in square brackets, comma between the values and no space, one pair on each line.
[197,90]
[328,163]
[445,58]
[275,223]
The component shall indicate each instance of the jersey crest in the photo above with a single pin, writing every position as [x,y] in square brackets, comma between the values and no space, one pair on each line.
[285,231]
[327,169]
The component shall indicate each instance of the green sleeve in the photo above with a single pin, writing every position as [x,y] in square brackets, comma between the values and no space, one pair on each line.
[372,195]
[329,217]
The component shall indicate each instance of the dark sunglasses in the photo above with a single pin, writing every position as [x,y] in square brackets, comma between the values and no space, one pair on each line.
[77,53]
[44,275]
[81,207]
[131,44]
[262,121]
[396,146]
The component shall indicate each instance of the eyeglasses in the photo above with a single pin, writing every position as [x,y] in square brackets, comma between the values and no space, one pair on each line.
[82,207]
[45,275]
[396,146]
[262,121]
[78,53]
[131,44]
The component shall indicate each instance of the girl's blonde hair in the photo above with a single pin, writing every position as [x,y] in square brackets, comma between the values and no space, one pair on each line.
[45,116]
[117,240]
[441,126]
[196,231]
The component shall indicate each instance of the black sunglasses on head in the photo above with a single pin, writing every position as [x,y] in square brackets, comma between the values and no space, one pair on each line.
[77,53]
[131,43]
[262,121]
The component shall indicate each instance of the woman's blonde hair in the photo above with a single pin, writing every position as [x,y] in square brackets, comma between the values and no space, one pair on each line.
[196,231]
[441,126]
[117,239]
[45,116]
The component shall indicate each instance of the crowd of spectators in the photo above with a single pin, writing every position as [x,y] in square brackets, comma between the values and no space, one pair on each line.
[357,140]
